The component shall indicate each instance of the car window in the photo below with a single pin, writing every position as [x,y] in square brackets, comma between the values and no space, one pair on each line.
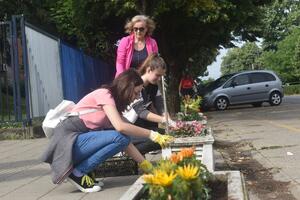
[241,79]
[228,84]
[269,77]
[217,83]
[258,77]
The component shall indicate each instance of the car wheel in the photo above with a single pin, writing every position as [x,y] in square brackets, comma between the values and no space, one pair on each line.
[257,104]
[275,99]
[221,103]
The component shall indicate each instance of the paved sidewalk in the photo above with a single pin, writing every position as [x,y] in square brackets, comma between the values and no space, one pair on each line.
[23,177]
[271,134]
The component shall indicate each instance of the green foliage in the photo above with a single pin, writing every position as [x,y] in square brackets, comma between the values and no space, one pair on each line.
[296,58]
[284,60]
[94,25]
[9,125]
[291,89]
[240,59]
[194,116]
[210,80]
[36,12]
[279,19]
[185,28]
[187,178]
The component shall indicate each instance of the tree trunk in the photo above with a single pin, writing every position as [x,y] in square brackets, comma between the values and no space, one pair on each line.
[173,100]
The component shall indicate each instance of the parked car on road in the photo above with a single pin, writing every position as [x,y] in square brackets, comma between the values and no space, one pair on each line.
[249,87]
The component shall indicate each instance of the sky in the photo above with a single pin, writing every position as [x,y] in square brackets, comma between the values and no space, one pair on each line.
[214,70]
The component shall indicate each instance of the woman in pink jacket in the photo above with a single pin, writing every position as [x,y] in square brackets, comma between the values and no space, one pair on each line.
[134,49]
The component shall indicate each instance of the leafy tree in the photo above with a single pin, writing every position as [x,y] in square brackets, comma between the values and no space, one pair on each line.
[285,60]
[240,59]
[185,28]
[296,60]
[36,12]
[280,18]
[200,28]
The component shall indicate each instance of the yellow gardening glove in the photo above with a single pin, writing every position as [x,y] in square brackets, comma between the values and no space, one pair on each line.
[162,140]
[146,166]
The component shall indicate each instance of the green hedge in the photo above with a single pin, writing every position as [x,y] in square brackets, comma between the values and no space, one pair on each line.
[291,89]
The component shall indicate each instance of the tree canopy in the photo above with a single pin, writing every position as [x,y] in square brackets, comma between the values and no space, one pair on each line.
[240,59]
[185,28]
[279,19]
[280,44]
[285,60]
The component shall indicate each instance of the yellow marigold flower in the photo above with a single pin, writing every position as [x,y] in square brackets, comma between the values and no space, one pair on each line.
[188,172]
[187,152]
[163,178]
[166,165]
[148,178]
[175,158]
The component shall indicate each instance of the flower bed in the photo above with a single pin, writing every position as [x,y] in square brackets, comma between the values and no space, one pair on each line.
[187,129]
[184,177]
[203,148]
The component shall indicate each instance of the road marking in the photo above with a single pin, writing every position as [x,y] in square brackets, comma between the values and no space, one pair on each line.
[285,126]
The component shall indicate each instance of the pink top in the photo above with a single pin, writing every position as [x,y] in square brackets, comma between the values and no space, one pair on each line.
[95,100]
[125,52]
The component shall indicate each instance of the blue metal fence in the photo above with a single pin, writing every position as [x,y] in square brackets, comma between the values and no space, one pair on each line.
[80,73]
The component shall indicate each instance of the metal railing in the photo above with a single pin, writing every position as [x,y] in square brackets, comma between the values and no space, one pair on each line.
[14,98]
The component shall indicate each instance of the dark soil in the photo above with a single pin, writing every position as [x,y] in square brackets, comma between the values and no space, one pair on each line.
[117,166]
[259,180]
[219,190]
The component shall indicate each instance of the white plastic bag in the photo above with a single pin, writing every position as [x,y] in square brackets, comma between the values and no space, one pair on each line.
[56,115]
[60,113]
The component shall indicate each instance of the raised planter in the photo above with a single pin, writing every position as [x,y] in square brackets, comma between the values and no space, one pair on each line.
[235,186]
[203,151]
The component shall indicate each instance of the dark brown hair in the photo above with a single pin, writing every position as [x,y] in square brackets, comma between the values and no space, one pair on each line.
[154,61]
[122,88]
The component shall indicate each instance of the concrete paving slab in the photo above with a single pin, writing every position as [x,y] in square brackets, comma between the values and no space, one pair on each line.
[271,132]
[24,177]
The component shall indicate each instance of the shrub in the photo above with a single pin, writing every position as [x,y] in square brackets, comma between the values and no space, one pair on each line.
[292,89]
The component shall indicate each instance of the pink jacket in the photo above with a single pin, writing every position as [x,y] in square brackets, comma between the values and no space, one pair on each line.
[125,52]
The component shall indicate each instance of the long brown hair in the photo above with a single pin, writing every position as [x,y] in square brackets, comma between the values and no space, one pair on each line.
[122,88]
[154,61]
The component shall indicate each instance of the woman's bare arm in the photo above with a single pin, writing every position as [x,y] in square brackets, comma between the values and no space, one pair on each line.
[122,126]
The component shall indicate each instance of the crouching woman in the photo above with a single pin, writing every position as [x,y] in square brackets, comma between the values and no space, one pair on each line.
[80,143]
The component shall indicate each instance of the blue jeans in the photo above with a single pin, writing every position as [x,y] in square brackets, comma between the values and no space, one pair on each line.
[92,148]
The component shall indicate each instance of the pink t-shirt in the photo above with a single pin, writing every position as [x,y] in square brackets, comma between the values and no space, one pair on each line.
[95,100]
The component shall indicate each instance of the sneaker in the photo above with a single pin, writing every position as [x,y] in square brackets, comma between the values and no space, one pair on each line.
[97,182]
[84,183]
[155,152]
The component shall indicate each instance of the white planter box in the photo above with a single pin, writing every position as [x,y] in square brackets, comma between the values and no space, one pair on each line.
[203,151]
[235,187]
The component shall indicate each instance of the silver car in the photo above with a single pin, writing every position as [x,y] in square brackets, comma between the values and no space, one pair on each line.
[249,87]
